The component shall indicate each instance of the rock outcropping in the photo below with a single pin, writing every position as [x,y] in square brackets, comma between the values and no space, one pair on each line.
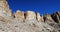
[27,21]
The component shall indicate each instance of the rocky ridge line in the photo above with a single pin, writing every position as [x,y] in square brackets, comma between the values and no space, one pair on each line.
[21,21]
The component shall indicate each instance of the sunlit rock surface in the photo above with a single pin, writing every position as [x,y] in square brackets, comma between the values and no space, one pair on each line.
[48,19]
[27,21]
[19,15]
[30,15]
[4,9]
[39,18]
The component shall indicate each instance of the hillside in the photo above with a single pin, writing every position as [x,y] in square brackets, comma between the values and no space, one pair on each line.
[27,21]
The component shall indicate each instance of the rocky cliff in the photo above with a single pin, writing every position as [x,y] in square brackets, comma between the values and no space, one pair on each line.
[27,21]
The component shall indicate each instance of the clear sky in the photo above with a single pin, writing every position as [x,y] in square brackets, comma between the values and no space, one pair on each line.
[41,6]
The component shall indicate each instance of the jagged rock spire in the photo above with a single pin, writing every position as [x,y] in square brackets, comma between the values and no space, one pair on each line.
[56,17]
[48,19]
[4,8]
[39,18]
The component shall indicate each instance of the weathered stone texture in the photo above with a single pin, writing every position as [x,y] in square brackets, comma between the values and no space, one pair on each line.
[27,21]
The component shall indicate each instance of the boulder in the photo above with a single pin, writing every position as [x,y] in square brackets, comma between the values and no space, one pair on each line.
[19,15]
[30,15]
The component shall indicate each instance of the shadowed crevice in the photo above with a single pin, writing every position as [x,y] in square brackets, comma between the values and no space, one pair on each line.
[25,15]
[54,17]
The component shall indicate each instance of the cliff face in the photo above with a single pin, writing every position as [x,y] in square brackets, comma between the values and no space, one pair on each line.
[27,21]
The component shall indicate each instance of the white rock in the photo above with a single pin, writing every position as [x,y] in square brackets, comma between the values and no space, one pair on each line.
[13,25]
[48,17]
[4,9]
[30,15]
[19,15]
[39,18]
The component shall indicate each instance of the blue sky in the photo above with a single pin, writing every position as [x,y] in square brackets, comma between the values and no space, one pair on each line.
[41,6]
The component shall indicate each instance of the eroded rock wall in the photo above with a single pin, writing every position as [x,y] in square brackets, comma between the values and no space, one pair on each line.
[27,21]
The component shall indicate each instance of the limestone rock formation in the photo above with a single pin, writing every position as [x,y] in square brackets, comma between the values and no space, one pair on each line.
[30,15]
[19,15]
[4,9]
[48,19]
[56,17]
[39,18]
[27,21]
